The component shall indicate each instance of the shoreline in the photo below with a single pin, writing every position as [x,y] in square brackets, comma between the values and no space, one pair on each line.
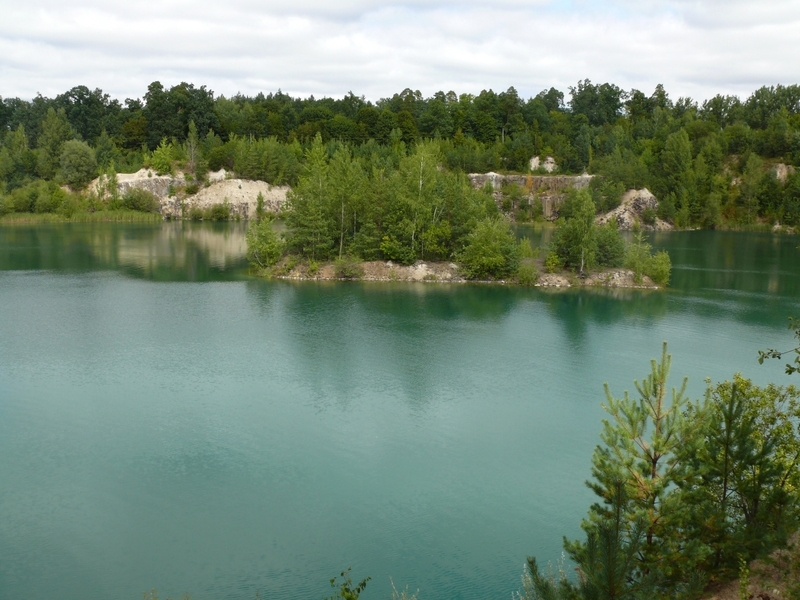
[448,272]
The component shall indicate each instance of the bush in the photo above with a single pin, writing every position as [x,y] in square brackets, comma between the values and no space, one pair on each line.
[649,216]
[575,237]
[162,158]
[195,213]
[348,267]
[610,251]
[78,164]
[491,251]
[49,199]
[527,274]
[192,188]
[640,259]
[264,249]
[141,200]
[218,212]
[659,268]
[553,263]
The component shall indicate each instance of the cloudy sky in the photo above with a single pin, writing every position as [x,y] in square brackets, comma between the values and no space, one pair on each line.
[377,47]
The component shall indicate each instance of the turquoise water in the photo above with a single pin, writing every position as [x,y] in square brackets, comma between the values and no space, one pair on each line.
[167,422]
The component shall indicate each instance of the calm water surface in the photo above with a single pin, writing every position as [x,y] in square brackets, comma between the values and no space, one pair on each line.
[167,422]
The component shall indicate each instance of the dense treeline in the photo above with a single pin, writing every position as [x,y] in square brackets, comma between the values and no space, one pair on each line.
[707,163]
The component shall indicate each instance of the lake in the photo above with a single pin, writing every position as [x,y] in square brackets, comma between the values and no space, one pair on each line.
[169,423]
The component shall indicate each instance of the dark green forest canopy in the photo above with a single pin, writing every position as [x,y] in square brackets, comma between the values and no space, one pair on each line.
[708,163]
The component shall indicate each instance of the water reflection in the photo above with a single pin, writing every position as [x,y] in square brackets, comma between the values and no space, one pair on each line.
[575,310]
[163,252]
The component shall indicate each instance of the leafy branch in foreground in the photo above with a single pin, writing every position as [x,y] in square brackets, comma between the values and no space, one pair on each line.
[346,589]
[794,324]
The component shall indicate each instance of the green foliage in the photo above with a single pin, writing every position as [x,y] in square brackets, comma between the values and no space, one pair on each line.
[106,152]
[610,246]
[527,273]
[218,212]
[649,216]
[688,491]
[55,130]
[491,251]
[659,268]
[153,595]
[574,241]
[259,206]
[267,160]
[381,205]
[743,486]
[140,200]
[345,589]
[78,165]
[702,162]
[552,262]
[264,248]
[641,260]
[794,324]
[162,157]
[348,267]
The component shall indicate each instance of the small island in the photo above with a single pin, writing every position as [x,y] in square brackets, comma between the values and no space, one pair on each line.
[421,222]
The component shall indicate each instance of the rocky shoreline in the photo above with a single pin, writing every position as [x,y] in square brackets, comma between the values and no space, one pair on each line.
[448,272]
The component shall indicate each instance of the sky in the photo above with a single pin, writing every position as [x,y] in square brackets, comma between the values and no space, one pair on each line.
[376,48]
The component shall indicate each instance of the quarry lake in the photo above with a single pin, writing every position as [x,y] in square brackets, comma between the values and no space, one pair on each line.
[169,423]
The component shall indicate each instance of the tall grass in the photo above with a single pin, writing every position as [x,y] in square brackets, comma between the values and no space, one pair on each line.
[100,216]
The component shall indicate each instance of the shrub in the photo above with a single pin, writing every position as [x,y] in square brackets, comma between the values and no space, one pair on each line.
[78,164]
[49,198]
[162,157]
[192,188]
[527,274]
[348,267]
[218,212]
[264,249]
[141,200]
[260,206]
[195,213]
[659,268]
[313,268]
[491,251]
[649,216]
[610,250]
[553,263]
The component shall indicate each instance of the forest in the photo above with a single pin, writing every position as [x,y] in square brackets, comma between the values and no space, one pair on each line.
[725,161]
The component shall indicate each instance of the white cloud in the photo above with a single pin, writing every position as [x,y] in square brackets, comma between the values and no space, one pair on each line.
[376,48]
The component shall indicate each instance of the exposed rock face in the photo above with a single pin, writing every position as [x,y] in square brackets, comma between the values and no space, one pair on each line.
[147,179]
[630,210]
[547,189]
[548,164]
[782,171]
[240,194]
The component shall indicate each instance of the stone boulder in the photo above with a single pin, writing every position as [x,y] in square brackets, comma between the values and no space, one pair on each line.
[631,209]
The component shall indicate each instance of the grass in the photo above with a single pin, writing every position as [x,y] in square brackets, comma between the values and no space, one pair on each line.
[100,216]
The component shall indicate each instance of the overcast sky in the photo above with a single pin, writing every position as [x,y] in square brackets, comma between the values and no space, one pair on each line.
[376,48]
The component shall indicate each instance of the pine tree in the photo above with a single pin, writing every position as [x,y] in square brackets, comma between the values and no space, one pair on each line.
[644,445]
[55,131]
